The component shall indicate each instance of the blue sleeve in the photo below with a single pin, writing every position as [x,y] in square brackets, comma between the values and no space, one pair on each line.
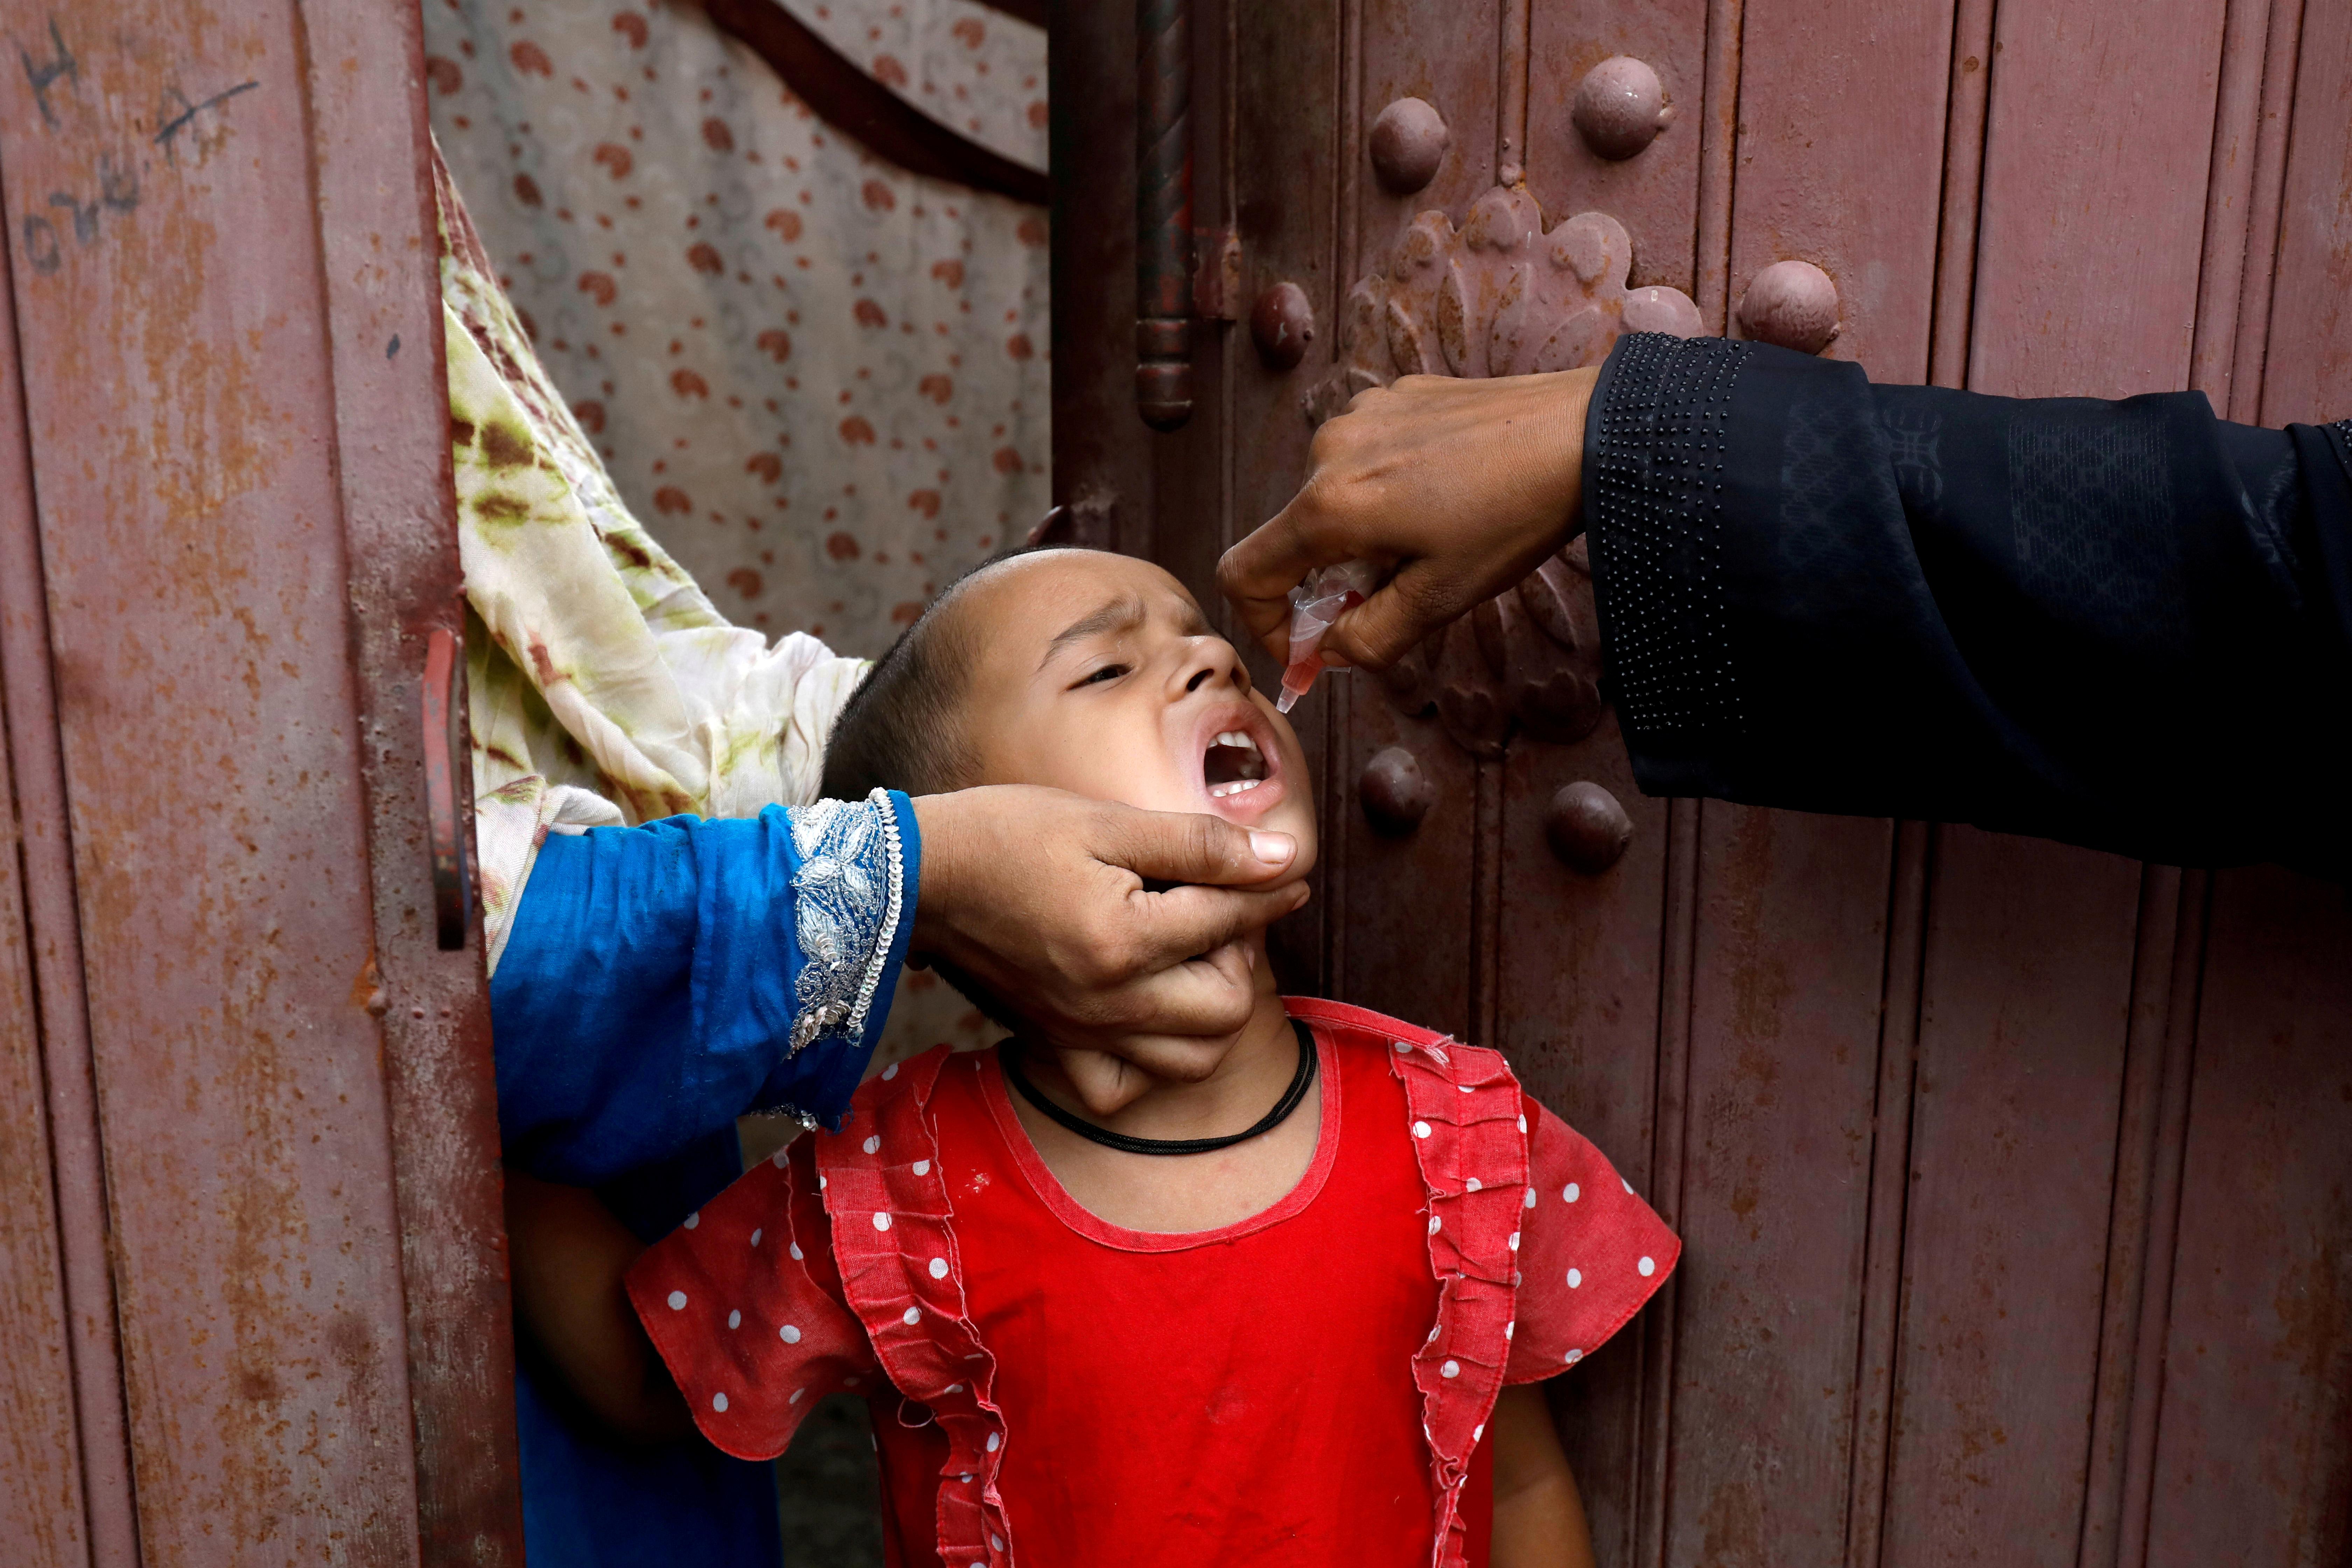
[662,980]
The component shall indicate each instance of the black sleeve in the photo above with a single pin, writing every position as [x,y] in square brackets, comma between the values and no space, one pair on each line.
[2123,625]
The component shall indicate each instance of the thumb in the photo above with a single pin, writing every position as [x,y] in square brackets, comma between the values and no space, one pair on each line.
[1182,847]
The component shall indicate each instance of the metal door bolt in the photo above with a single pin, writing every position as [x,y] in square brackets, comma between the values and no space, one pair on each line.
[1408,141]
[1621,108]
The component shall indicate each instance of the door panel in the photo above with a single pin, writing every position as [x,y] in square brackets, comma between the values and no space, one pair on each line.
[1789,961]
[1937,1111]
[2308,373]
[1656,193]
[2099,137]
[229,541]
[2024,1013]
[1841,164]
[2254,1461]
[40,1477]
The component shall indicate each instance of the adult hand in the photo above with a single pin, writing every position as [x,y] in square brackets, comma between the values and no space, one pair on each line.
[1460,486]
[1062,902]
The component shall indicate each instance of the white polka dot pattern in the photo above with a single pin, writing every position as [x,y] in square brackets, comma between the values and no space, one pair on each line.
[677,1301]
[691,1220]
[735,1319]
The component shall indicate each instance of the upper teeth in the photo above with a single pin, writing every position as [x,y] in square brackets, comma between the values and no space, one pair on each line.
[1235,737]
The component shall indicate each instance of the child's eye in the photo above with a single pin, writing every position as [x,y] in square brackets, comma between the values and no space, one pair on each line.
[1107,673]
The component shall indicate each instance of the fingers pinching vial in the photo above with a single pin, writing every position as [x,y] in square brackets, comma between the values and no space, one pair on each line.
[1452,489]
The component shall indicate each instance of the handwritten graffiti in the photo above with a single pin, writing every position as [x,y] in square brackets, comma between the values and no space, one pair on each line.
[177,114]
[46,73]
[118,192]
[180,122]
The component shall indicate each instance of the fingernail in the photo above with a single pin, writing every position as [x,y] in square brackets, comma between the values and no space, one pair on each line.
[1249,954]
[1274,848]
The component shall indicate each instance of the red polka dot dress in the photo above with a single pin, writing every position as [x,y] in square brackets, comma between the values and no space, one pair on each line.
[1310,1385]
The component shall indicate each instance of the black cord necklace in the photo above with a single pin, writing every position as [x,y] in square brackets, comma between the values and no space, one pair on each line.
[1300,1083]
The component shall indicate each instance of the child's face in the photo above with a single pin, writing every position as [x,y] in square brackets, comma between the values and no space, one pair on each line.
[1097,673]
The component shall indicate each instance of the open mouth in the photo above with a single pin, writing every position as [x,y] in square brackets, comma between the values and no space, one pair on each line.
[1232,764]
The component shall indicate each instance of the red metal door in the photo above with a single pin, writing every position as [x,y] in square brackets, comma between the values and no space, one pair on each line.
[257,1302]
[2012,1176]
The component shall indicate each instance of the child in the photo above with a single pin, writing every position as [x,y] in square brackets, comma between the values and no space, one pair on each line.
[1290,1308]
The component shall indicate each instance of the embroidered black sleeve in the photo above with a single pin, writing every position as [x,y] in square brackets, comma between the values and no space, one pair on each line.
[2124,625]
[1653,501]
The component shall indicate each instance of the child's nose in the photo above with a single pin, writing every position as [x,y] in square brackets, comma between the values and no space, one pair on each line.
[1212,660]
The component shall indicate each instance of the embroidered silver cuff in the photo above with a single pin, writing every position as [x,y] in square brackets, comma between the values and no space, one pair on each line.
[847,903]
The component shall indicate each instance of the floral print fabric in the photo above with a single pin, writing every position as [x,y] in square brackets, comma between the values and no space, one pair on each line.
[821,382]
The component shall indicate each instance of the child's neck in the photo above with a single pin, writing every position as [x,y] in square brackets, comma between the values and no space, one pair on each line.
[1179,1193]
[1239,1090]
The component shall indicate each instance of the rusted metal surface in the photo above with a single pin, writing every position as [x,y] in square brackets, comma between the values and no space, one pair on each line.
[1102,465]
[1957,1288]
[2144,1222]
[1621,108]
[1407,143]
[1788,977]
[445,802]
[1653,191]
[45,855]
[1164,212]
[1282,325]
[2098,150]
[1394,793]
[1792,304]
[214,236]
[1587,828]
[1840,153]
[2254,1452]
[2024,1009]
[2251,343]
[392,455]
[1969,73]
[2308,375]
[41,1503]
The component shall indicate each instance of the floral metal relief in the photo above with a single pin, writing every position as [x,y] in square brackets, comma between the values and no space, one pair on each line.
[1502,296]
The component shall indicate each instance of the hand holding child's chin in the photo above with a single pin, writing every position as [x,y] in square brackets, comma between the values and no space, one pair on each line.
[1108,1077]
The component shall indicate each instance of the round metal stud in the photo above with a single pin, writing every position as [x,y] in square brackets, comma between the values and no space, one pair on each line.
[1586,827]
[1408,141]
[1792,304]
[1282,323]
[1621,107]
[1396,794]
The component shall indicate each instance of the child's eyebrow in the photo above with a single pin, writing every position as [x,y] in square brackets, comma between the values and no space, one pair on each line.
[1119,615]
